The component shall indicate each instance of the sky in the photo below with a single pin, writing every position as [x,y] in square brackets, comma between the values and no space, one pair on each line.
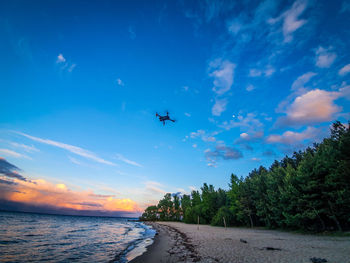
[248,82]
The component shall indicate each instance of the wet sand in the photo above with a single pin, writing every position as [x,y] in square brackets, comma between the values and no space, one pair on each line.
[179,242]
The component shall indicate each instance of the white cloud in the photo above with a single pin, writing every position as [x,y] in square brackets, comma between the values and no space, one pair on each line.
[219,106]
[243,135]
[223,75]
[125,160]
[251,136]
[255,159]
[290,137]
[73,149]
[250,87]
[344,70]
[60,59]
[325,57]
[120,82]
[314,106]
[187,114]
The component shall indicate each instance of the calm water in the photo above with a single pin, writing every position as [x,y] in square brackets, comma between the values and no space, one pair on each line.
[27,237]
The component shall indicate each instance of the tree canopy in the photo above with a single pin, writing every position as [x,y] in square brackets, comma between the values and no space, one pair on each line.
[309,191]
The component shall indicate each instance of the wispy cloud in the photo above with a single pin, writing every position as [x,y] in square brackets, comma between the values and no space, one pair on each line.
[325,57]
[291,20]
[299,83]
[344,70]
[266,72]
[73,160]
[249,123]
[14,154]
[71,67]
[154,187]
[125,160]
[64,64]
[27,148]
[73,149]
[250,87]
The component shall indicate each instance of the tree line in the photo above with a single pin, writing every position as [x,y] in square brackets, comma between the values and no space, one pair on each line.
[308,191]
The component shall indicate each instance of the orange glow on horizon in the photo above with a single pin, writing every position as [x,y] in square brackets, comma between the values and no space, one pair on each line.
[40,192]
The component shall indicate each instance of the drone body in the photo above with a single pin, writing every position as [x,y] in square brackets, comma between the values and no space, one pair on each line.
[164,118]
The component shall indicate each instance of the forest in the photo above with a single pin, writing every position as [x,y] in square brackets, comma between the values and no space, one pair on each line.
[309,191]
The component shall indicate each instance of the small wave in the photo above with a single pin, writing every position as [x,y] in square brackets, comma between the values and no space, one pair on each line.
[137,246]
[33,235]
[77,230]
[6,242]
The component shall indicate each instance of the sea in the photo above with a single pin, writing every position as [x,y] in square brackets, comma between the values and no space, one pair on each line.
[31,237]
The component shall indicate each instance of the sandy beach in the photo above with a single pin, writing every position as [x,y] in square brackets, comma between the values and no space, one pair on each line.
[179,242]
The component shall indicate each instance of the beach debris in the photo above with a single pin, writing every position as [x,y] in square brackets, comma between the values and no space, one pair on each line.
[272,248]
[318,260]
[243,241]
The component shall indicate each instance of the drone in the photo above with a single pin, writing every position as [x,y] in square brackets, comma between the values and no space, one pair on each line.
[164,118]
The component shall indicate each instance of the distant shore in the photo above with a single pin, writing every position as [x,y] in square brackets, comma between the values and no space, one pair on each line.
[179,242]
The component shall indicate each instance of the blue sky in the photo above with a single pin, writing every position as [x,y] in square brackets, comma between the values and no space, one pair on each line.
[81,81]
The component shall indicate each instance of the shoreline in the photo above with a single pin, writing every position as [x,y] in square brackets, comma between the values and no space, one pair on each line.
[169,245]
[180,242]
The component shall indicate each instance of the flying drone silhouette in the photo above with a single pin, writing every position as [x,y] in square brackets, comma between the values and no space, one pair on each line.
[164,118]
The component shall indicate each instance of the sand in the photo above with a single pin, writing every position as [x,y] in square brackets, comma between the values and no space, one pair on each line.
[179,242]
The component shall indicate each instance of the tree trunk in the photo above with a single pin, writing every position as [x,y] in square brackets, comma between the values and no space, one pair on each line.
[322,222]
[333,216]
[251,220]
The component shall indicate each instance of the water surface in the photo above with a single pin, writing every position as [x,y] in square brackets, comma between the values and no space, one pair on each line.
[29,237]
